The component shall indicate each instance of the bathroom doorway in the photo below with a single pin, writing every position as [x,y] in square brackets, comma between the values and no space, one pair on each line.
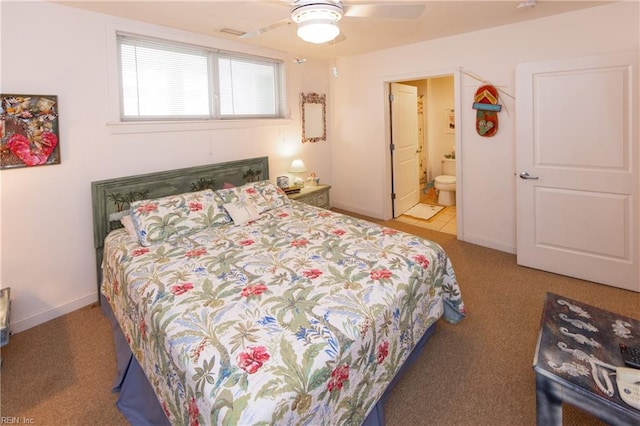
[436,141]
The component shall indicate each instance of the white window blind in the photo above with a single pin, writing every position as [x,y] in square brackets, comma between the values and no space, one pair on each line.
[164,80]
[247,87]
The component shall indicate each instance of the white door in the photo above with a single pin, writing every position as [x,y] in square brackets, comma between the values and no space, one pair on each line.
[577,160]
[422,151]
[404,140]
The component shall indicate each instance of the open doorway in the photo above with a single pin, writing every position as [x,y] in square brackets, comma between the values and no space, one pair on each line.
[436,156]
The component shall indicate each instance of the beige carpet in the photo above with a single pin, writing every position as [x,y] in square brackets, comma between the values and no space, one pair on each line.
[478,372]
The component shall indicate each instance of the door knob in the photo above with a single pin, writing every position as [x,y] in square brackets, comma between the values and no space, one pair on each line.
[525,175]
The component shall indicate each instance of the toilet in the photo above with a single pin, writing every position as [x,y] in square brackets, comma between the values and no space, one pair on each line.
[446,183]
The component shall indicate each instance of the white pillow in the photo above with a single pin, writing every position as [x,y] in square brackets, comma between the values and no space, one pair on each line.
[246,192]
[242,212]
[127,222]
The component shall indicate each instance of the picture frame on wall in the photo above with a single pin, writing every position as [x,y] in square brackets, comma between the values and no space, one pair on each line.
[29,134]
[451,121]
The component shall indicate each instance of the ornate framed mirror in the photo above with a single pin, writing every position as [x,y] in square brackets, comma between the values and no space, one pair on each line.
[314,121]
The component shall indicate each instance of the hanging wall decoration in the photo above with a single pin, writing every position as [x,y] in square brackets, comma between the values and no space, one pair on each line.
[28,130]
[314,117]
[486,105]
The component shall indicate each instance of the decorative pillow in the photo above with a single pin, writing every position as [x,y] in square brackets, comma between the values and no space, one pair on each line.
[242,211]
[127,222]
[243,193]
[173,216]
[274,195]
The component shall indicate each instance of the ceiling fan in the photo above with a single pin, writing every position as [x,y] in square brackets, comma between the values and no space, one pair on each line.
[317,20]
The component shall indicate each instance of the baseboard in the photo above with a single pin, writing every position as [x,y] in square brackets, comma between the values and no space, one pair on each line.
[49,314]
[489,244]
[355,209]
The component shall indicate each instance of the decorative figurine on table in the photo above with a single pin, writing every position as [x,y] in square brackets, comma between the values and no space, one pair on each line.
[283,182]
[313,180]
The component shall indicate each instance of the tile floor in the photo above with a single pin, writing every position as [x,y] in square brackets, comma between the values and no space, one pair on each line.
[443,221]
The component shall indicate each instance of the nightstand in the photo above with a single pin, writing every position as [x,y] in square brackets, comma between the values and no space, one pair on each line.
[314,195]
[577,352]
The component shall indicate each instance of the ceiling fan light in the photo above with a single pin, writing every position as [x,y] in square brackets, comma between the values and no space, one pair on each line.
[318,31]
[309,11]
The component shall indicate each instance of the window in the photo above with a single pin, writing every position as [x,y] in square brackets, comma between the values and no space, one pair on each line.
[164,80]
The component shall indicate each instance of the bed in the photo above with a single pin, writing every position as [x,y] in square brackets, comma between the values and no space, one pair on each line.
[231,304]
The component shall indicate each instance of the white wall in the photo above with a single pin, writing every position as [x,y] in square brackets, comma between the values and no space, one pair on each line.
[487,216]
[48,258]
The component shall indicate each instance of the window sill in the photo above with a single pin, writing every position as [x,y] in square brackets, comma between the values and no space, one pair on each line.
[121,128]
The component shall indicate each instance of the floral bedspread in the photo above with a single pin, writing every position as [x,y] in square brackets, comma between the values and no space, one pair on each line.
[301,317]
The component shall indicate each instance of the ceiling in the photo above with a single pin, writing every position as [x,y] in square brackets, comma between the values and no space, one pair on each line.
[361,35]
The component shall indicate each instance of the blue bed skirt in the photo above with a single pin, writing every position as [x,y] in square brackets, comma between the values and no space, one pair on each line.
[139,404]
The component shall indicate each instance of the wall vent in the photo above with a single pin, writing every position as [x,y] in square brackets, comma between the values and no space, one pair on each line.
[231,31]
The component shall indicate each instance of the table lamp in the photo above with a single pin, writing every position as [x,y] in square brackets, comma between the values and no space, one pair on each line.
[297,167]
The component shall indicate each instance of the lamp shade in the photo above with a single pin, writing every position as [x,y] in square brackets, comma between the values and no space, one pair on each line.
[318,31]
[297,166]
[317,21]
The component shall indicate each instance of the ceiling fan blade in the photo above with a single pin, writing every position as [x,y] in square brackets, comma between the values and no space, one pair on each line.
[341,37]
[390,10]
[262,30]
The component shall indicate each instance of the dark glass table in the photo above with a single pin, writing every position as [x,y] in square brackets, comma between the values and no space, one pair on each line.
[578,347]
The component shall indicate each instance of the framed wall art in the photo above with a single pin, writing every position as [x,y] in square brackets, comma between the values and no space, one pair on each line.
[29,133]
[451,121]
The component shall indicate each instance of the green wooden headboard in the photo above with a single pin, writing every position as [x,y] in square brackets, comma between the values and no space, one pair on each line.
[111,197]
